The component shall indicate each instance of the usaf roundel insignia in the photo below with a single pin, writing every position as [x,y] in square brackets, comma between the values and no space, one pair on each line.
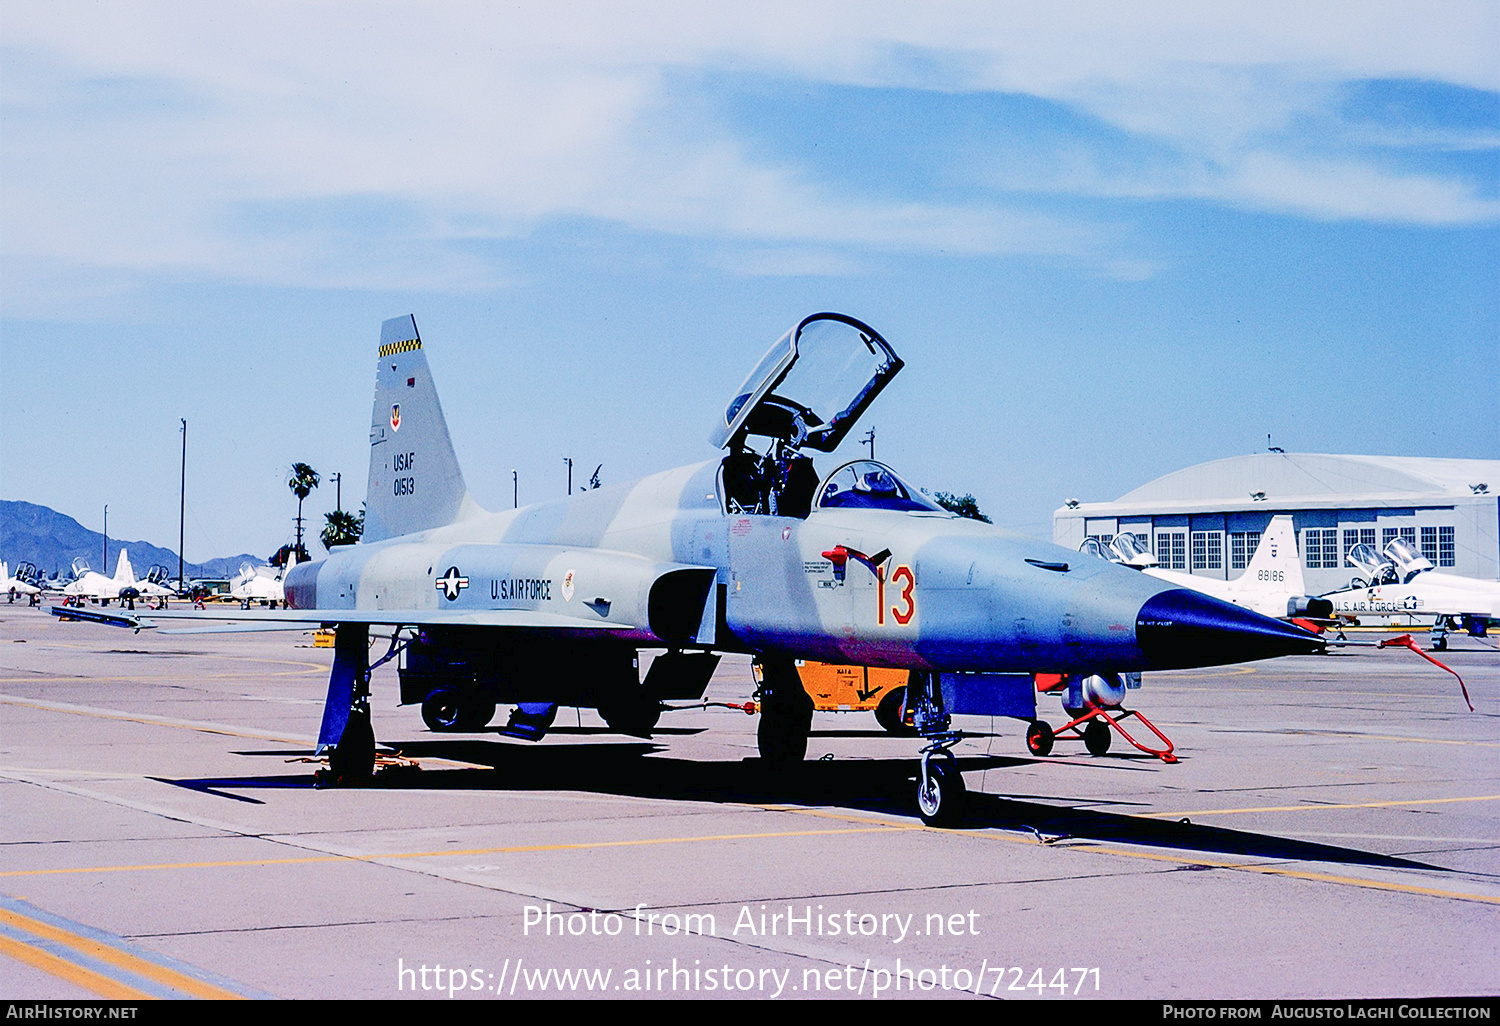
[451,583]
[396,417]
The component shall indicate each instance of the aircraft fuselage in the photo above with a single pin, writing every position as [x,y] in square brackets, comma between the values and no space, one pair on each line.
[657,562]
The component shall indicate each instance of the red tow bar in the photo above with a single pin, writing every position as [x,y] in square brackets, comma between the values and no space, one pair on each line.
[1405,641]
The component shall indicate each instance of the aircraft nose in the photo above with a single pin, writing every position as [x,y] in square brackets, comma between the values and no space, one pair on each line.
[1181,628]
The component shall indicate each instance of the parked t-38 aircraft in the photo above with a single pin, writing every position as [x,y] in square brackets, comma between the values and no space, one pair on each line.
[1403,581]
[751,552]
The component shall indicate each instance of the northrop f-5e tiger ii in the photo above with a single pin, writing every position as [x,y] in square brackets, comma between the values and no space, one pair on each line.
[754,551]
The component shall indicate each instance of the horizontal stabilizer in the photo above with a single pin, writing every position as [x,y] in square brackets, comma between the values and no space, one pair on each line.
[240,628]
[96,616]
[304,619]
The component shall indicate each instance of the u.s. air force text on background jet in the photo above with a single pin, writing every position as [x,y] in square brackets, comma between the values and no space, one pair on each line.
[754,551]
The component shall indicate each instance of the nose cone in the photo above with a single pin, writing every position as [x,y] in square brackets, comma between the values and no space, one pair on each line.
[1181,628]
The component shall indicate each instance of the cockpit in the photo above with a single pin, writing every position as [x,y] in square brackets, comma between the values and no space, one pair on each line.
[806,394]
[1377,568]
[865,484]
[1408,557]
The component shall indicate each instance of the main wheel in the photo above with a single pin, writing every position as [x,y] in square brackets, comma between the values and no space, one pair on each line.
[476,713]
[443,710]
[782,732]
[1039,738]
[941,797]
[352,760]
[889,713]
[635,715]
[781,738]
[1096,737]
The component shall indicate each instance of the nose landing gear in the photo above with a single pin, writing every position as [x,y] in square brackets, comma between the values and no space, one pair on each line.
[941,795]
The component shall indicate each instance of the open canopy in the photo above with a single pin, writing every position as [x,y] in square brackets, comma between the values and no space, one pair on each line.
[812,385]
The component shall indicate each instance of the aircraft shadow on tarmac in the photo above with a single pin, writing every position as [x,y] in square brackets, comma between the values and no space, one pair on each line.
[866,785]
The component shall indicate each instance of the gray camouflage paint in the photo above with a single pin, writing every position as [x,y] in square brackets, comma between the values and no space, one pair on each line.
[954,594]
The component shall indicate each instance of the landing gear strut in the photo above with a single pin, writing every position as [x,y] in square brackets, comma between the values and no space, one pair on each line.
[346,737]
[352,760]
[941,795]
[785,714]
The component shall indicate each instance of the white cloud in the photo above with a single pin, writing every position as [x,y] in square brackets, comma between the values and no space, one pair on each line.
[1346,190]
[136,133]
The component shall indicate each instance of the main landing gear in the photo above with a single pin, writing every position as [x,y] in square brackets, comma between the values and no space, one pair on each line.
[450,709]
[786,720]
[346,736]
[785,714]
[633,714]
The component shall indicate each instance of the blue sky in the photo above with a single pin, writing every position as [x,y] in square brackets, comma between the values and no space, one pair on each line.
[1110,240]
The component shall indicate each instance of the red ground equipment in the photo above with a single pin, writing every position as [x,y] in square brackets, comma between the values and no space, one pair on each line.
[1095,705]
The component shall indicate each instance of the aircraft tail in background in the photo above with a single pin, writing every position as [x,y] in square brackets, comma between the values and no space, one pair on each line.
[1275,567]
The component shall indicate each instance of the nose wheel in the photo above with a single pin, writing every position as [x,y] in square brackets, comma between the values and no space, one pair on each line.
[941,795]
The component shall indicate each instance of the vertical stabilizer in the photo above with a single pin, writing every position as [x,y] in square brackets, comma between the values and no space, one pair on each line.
[1275,565]
[415,483]
[124,572]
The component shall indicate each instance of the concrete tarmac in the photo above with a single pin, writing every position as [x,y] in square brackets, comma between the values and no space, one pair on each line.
[1331,831]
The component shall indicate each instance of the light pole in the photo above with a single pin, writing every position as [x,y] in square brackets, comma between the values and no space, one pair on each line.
[105,568]
[515,488]
[869,439]
[338,493]
[182,505]
[569,461]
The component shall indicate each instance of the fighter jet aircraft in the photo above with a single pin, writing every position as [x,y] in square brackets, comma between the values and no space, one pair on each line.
[157,584]
[753,551]
[1272,583]
[23,583]
[90,584]
[1405,582]
[256,584]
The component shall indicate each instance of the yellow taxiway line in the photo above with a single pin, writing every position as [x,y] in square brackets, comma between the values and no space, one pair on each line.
[874,828]
[1316,808]
[98,951]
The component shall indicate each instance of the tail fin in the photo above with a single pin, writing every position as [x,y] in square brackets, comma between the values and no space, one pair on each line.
[124,572]
[1275,565]
[415,483]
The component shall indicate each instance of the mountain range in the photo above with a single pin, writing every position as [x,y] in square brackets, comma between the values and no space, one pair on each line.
[36,534]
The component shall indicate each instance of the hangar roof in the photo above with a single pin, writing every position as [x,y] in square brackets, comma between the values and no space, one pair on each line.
[1306,479]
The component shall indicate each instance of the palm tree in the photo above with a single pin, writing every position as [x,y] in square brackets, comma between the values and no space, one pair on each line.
[343,528]
[302,481]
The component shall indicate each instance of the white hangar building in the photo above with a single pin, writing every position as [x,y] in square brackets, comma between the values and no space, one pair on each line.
[1207,519]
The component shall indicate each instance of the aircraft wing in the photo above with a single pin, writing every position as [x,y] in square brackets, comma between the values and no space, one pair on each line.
[306,619]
